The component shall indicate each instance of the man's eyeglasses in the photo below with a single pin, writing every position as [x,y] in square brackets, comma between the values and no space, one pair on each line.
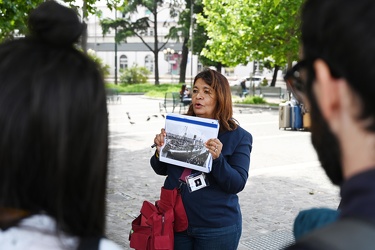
[295,82]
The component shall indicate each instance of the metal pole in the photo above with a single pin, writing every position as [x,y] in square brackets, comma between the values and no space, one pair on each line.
[115,49]
[191,40]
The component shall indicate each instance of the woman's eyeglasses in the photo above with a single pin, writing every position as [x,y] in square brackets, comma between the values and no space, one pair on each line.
[295,82]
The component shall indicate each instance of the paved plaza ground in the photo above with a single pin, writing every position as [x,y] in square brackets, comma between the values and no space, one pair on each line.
[285,175]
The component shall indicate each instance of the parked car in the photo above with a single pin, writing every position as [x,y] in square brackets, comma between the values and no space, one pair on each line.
[255,80]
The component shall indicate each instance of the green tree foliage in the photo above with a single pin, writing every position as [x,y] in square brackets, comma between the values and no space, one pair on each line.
[225,23]
[240,31]
[13,14]
[276,30]
[200,39]
[135,74]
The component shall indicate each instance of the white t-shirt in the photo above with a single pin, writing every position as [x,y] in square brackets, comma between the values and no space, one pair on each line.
[38,232]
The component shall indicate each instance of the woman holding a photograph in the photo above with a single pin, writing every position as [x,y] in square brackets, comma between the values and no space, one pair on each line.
[213,212]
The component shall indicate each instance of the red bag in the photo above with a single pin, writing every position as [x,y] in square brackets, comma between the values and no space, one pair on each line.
[172,199]
[154,227]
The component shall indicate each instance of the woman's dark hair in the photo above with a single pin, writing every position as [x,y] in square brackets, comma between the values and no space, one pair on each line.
[183,88]
[224,111]
[54,125]
[347,46]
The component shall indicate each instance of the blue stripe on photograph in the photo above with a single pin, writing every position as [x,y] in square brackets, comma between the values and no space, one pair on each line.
[206,124]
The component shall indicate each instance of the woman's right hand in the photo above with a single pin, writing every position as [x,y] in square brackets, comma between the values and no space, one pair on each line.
[159,139]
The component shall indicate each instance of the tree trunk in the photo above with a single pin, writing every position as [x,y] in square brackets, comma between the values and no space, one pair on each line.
[274,77]
[219,66]
[183,63]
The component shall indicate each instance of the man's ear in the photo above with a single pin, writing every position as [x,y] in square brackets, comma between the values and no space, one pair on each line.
[326,90]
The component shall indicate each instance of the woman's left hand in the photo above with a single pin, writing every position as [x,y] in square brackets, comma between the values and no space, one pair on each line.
[214,146]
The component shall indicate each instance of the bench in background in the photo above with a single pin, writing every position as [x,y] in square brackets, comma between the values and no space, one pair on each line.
[237,90]
[271,92]
[171,101]
[113,96]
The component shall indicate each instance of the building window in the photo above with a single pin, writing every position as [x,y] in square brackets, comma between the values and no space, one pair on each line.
[149,63]
[150,31]
[123,62]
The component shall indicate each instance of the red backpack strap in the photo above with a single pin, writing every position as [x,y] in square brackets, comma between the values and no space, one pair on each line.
[186,172]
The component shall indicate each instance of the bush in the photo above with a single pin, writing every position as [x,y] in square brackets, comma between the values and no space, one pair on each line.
[135,74]
[103,67]
[149,89]
[254,100]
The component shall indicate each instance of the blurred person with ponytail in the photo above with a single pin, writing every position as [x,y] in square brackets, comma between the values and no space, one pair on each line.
[54,138]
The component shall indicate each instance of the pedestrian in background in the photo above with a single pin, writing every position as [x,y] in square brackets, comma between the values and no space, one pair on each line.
[265,82]
[183,91]
[335,78]
[54,138]
[213,212]
[244,91]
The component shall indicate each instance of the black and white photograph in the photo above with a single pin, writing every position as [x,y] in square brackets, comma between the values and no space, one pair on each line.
[184,143]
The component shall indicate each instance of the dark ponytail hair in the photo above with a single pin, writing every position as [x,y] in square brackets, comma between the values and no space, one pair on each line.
[54,125]
[55,24]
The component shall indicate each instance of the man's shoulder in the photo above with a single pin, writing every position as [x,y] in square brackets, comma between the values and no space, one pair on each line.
[345,234]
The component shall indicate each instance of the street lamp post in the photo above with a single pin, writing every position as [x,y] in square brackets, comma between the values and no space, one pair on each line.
[115,49]
[168,52]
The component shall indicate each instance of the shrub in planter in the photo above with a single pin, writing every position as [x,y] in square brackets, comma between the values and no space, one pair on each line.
[134,74]
[254,100]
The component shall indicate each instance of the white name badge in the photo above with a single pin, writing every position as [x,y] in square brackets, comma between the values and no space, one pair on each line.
[196,181]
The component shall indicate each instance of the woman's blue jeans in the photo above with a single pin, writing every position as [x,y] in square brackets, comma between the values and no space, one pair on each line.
[201,238]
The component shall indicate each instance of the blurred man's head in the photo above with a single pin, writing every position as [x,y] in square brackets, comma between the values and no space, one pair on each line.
[339,35]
